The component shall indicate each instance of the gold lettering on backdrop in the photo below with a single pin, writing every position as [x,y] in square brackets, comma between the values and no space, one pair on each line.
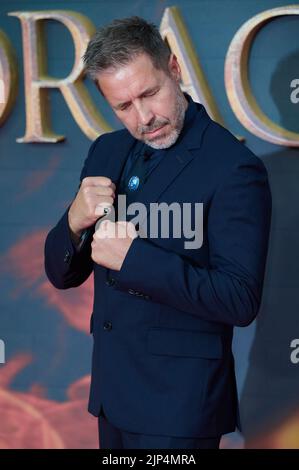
[237,84]
[174,31]
[38,127]
[89,119]
[8,77]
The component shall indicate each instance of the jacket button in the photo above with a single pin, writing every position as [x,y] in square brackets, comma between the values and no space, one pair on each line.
[132,291]
[67,256]
[139,294]
[107,325]
[110,282]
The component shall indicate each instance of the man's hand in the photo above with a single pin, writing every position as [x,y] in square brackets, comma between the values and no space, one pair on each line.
[95,194]
[111,242]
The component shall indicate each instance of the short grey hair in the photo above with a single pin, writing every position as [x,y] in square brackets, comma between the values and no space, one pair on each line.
[121,41]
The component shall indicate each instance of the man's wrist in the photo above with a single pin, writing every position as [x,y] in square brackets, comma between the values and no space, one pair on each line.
[76,239]
[73,229]
[75,235]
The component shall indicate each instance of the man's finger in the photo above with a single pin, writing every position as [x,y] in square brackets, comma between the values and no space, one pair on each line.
[96,181]
[103,208]
[100,190]
[104,229]
[125,229]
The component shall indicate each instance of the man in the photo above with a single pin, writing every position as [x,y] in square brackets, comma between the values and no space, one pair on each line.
[164,311]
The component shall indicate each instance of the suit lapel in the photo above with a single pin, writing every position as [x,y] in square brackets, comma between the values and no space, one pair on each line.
[113,165]
[171,165]
[174,161]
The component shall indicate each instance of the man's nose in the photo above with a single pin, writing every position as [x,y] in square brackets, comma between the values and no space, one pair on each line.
[145,115]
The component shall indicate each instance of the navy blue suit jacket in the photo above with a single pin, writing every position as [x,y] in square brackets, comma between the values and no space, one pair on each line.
[162,325]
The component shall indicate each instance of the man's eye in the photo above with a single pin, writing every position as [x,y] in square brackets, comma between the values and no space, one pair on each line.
[151,93]
[124,107]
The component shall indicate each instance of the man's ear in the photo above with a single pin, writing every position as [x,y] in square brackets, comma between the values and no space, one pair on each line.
[174,68]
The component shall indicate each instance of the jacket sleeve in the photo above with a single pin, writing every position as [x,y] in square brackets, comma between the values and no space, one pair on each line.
[66,266]
[229,289]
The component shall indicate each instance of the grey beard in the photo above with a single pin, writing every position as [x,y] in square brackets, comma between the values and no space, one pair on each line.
[173,136]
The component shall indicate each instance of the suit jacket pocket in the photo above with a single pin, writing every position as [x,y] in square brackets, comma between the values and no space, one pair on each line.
[184,343]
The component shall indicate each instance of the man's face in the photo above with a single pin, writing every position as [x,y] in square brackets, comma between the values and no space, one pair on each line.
[147,101]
